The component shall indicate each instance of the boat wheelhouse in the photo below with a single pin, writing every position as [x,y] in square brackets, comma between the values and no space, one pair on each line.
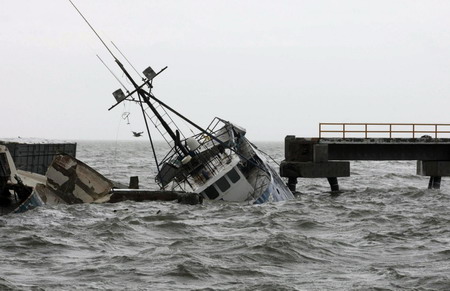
[227,167]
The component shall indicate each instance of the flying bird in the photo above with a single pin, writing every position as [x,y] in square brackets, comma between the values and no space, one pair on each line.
[137,134]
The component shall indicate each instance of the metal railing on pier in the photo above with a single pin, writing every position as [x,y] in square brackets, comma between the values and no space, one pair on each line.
[386,130]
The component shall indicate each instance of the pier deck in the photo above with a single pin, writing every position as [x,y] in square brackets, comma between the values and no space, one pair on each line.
[328,157]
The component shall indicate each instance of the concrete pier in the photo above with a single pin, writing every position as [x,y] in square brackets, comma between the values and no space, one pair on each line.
[329,157]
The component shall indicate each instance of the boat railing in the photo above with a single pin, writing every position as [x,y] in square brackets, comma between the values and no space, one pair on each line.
[196,168]
[208,153]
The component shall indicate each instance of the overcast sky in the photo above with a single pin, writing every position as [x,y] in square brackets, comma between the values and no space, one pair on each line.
[276,68]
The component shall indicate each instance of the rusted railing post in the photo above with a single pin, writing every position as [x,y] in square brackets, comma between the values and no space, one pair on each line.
[435,130]
[365,130]
[343,130]
[390,130]
[414,130]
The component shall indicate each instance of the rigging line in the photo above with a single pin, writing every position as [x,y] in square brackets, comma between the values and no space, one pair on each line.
[125,116]
[125,58]
[118,80]
[157,126]
[79,12]
[149,95]
[188,127]
[266,154]
[125,72]
[128,81]
[116,143]
[148,133]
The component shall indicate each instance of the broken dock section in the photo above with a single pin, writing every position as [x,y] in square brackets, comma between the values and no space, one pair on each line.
[328,157]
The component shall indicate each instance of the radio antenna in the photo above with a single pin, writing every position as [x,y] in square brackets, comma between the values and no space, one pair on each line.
[140,93]
[118,80]
[94,30]
[126,59]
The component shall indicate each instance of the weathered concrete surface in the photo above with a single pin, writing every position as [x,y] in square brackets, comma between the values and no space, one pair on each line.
[389,152]
[320,153]
[368,149]
[433,168]
[315,170]
[326,157]
[299,149]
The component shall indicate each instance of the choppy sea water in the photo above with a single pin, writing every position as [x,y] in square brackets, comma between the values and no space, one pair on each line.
[384,231]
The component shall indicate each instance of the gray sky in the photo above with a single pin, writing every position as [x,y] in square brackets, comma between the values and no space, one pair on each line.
[274,67]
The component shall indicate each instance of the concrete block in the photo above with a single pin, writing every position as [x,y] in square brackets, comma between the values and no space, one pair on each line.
[320,153]
[433,168]
[299,149]
[314,170]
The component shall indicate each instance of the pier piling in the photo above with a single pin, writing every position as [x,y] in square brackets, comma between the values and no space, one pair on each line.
[435,183]
[333,183]
[292,184]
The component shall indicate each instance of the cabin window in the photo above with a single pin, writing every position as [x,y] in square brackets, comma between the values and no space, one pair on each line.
[223,184]
[211,192]
[233,176]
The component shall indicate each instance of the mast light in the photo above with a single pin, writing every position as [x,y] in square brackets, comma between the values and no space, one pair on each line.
[119,95]
[149,73]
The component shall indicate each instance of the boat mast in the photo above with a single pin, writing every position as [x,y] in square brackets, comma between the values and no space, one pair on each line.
[145,96]
[142,94]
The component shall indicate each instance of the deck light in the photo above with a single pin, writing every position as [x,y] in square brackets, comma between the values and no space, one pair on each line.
[149,73]
[119,95]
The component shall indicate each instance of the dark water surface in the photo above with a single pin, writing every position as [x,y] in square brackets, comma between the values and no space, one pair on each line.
[385,231]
